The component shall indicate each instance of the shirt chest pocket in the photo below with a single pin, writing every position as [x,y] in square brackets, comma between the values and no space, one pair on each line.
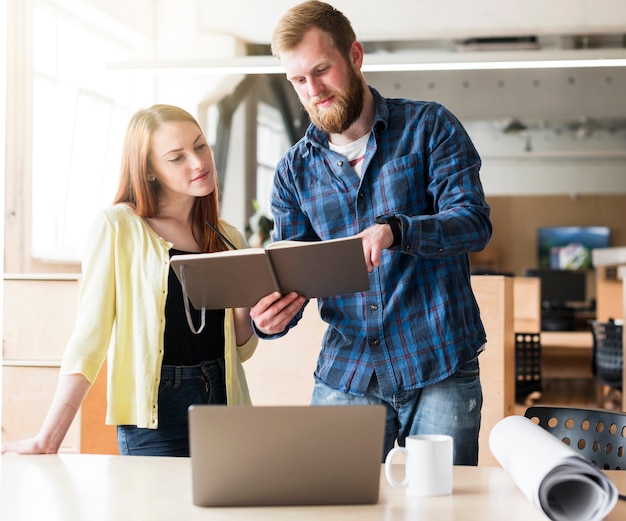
[404,186]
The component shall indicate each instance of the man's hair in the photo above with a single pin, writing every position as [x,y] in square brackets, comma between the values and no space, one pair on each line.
[313,14]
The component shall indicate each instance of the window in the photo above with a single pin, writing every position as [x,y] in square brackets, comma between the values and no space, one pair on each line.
[80,115]
[272,142]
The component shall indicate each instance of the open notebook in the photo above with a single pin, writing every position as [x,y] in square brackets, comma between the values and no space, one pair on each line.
[286,455]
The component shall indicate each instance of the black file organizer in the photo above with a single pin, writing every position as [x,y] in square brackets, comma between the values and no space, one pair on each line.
[527,365]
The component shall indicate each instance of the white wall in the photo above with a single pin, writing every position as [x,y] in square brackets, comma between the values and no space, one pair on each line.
[550,158]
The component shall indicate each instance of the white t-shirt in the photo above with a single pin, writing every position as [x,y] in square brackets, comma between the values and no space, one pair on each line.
[354,152]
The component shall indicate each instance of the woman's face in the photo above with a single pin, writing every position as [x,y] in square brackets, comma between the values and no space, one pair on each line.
[181,160]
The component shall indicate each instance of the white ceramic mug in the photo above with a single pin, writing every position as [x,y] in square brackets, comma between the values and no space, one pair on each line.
[428,465]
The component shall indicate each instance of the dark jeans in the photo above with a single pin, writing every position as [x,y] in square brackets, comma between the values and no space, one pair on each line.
[452,406]
[180,387]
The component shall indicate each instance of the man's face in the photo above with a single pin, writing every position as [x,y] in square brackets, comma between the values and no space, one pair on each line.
[329,88]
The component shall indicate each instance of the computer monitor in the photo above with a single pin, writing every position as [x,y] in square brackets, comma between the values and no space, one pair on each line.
[569,247]
[559,287]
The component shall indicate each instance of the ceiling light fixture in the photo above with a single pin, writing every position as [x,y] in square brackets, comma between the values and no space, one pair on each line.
[399,62]
[494,65]
[514,126]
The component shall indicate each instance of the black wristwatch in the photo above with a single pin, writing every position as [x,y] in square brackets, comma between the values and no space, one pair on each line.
[394,222]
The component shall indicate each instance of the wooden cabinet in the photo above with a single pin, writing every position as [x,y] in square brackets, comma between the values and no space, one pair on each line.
[527,304]
[38,316]
[608,293]
[494,294]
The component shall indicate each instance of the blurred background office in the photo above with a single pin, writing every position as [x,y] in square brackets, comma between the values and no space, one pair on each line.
[538,84]
[552,133]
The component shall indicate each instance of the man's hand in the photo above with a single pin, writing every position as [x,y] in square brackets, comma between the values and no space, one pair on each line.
[273,313]
[375,239]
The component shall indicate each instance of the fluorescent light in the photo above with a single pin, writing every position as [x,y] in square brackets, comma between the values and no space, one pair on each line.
[217,70]
[400,62]
[495,65]
[495,60]
[222,67]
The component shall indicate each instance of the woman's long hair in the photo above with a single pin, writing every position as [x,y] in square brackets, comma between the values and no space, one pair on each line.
[141,194]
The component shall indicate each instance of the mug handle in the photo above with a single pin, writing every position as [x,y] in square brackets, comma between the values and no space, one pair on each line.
[388,463]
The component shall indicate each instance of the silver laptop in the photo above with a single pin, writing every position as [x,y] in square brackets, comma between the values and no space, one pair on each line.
[286,455]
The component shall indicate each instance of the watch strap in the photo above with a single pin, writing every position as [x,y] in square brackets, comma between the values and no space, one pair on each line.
[394,223]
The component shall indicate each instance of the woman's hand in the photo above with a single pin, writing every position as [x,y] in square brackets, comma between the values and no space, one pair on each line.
[29,446]
[70,392]
[243,327]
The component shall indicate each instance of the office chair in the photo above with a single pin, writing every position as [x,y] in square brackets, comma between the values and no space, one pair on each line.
[596,434]
[528,386]
[607,357]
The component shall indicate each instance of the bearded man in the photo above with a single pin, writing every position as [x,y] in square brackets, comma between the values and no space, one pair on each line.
[403,176]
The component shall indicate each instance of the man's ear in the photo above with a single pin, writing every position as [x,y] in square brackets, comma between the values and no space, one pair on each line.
[356,54]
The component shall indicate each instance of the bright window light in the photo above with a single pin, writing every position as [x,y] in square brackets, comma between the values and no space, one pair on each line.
[79,119]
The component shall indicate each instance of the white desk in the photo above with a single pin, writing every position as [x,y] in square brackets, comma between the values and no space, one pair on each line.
[97,487]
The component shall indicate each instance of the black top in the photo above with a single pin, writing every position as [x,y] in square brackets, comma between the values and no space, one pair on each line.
[182,346]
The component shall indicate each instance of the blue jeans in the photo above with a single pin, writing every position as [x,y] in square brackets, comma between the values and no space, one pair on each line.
[180,387]
[451,407]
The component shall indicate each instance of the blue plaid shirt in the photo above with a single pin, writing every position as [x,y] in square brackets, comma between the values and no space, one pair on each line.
[419,320]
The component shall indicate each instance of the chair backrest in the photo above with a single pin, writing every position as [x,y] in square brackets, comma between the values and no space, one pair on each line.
[608,354]
[597,434]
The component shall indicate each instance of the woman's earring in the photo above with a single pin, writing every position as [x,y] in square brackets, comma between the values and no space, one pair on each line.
[151,177]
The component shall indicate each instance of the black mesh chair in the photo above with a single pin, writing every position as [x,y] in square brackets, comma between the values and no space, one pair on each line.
[607,356]
[597,434]
[527,367]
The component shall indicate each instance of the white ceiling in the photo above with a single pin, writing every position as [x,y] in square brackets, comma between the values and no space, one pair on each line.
[414,20]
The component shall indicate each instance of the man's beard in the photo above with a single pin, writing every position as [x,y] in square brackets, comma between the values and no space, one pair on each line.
[345,110]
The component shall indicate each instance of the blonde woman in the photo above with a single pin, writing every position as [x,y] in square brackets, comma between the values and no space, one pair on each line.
[131,308]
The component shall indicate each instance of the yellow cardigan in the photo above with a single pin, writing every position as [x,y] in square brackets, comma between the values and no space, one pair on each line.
[121,313]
